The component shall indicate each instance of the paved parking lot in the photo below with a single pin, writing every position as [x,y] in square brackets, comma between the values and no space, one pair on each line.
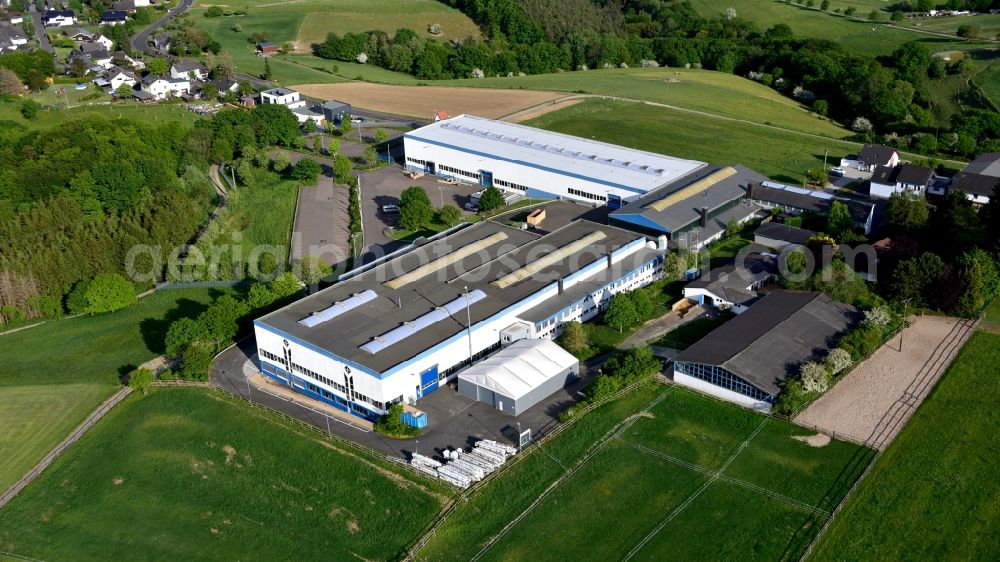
[453,420]
[383,187]
[321,227]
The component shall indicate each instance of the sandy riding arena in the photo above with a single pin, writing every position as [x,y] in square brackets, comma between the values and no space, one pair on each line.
[873,402]
[423,101]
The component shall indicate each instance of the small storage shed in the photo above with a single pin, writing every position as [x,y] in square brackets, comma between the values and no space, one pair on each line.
[519,376]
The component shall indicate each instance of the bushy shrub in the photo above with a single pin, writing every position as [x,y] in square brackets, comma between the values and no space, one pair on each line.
[391,424]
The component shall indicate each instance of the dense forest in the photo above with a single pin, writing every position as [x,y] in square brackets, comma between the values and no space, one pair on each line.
[75,199]
[886,96]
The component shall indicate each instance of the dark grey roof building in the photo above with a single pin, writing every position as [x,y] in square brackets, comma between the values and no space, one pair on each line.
[734,286]
[976,186]
[695,209]
[745,359]
[777,235]
[873,155]
[796,200]
[987,164]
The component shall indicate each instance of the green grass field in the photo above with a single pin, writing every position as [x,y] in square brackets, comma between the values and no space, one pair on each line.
[989,25]
[148,114]
[688,334]
[304,23]
[855,36]
[186,474]
[780,155]
[933,495]
[989,82]
[717,93]
[56,374]
[629,487]
[259,214]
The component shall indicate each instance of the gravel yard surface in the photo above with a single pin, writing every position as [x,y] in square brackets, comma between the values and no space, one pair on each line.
[873,402]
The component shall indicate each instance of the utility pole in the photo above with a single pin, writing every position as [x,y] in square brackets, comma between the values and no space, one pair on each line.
[826,152]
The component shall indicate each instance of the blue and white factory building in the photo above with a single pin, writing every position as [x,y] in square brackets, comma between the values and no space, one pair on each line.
[539,163]
[397,331]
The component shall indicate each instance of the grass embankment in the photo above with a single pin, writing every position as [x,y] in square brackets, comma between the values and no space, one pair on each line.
[189,474]
[781,155]
[933,495]
[855,35]
[54,375]
[638,489]
[717,93]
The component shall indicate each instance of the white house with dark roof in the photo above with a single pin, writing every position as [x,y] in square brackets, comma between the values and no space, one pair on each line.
[735,286]
[188,69]
[161,87]
[870,157]
[59,18]
[905,178]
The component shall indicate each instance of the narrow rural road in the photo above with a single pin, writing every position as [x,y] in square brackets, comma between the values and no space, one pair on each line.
[88,423]
[43,38]
[140,41]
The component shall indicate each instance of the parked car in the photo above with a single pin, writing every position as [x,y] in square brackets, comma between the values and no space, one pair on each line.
[838,172]
[357,120]
[390,209]
[472,207]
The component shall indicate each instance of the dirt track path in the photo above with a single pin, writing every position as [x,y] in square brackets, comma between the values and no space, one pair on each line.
[875,400]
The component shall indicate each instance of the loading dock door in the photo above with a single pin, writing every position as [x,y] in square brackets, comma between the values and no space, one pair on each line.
[486,178]
[429,167]
[429,380]
[614,201]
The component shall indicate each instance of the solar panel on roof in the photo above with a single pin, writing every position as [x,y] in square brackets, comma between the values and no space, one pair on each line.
[338,308]
[408,329]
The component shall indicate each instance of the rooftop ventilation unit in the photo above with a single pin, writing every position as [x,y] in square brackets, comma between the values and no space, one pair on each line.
[548,259]
[338,308]
[408,329]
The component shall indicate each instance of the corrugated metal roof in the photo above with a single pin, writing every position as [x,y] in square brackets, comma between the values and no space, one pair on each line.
[565,154]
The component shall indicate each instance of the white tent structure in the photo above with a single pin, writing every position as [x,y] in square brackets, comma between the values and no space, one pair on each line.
[519,376]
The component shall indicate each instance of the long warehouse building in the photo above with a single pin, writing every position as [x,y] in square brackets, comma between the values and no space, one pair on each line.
[397,331]
[539,163]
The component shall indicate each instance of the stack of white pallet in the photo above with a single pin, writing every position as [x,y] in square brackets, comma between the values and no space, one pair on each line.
[464,469]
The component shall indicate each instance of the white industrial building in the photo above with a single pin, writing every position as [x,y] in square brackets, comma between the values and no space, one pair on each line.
[520,375]
[539,163]
[397,330]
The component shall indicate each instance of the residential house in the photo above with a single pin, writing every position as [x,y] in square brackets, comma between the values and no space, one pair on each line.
[224,86]
[161,87]
[900,179]
[143,96]
[796,201]
[306,114]
[117,76]
[141,3]
[735,286]
[977,187]
[11,38]
[124,6]
[746,359]
[105,41]
[780,236]
[282,96]
[81,35]
[979,178]
[189,69]
[875,155]
[59,18]
[114,17]
[266,48]
[162,42]
[120,58]
[16,18]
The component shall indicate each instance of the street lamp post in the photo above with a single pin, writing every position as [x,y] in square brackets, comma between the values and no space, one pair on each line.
[468,321]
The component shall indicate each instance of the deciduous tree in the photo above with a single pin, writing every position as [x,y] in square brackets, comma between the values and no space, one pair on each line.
[414,208]
[109,292]
[620,313]
[491,199]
